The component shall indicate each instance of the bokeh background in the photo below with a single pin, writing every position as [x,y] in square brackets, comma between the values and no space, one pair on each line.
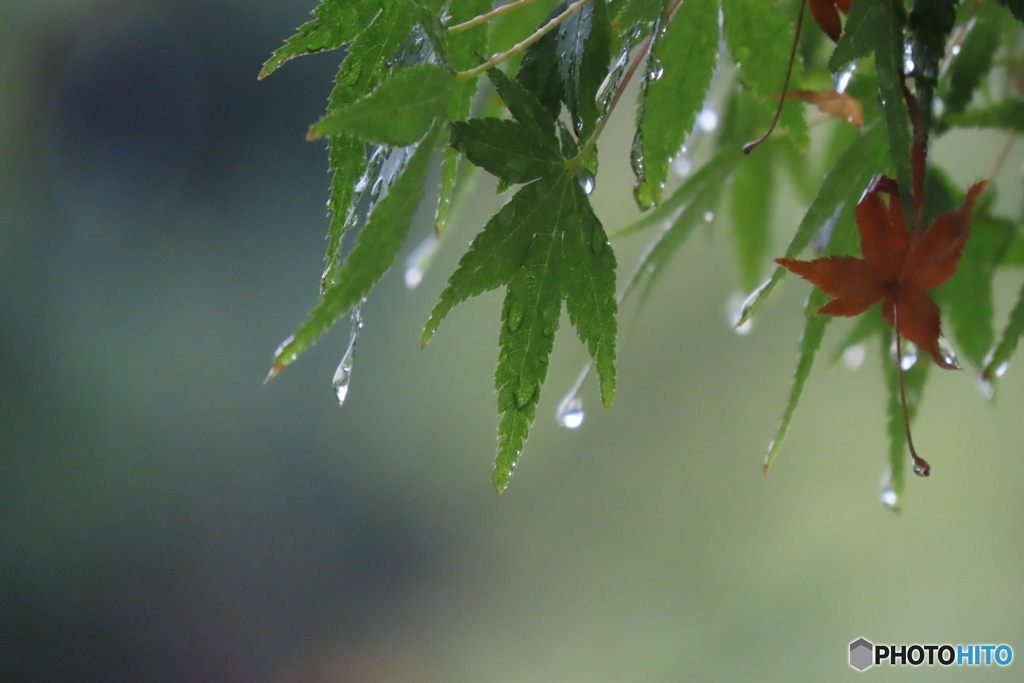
[164,517]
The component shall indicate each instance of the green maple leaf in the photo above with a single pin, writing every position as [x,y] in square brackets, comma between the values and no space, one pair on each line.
[544,246]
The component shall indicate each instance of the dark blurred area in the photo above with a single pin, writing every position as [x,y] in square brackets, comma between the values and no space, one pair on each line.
[166,517]
[158,523]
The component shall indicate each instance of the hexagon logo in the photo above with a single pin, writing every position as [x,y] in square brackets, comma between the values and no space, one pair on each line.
[861,654]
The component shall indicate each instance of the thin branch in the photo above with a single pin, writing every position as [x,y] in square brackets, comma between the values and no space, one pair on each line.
[519,47]
[626,78]
[751,146]
[921,466]
[483,18]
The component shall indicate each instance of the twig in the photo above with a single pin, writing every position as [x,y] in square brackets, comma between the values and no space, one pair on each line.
[483,18]
[921,466]
[641,54]
[519,47]
[751,146]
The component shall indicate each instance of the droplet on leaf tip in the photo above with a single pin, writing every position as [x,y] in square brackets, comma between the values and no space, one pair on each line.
[948,354]
[887,494]
[909,353]
[734,312]
[570,412]
[419,260]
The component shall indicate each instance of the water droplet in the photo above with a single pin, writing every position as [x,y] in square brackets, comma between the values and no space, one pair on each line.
[955,50]
[1001,369]
[853,356]
[419,260]
[655,70]
[909,353]
[681,165]
[707,120]
[570,412]
[709,216]
[887,493]
[343,375]
[948,354]
[586,180]
[515,317]
[525,394]
[844,78]
[734,309]
[988,390]
[751,299]
[548,331]
[636,155]
[908,60]
[599,241]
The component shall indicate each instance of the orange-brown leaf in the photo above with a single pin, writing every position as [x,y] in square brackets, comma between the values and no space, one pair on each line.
[934,258]
[841,105]
[897,267]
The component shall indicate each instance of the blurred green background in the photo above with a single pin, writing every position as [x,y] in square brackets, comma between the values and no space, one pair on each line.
[165,517]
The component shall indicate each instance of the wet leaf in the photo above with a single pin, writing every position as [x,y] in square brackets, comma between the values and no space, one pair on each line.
[583,49]
[897,266]
[679,69]
[525,108]
[971,308]
[398,112]
[372,256]
[336,22]
[753,191]
[544,245]
[759,36]
[841,186]
[930,23]
[1006,115]
[657,257]
[363,68]
[505,149]
[842,240]
[1002,353]
[970,65]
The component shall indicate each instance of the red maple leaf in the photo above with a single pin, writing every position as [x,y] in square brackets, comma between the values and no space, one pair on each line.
[826,14]
[897,266]
[896,269]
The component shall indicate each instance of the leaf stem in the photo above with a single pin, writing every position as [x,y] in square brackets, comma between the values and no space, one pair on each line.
[483,18]
[921,466]
[626,78]
[1010,139]
[599,128]
[751,146]
[519,47]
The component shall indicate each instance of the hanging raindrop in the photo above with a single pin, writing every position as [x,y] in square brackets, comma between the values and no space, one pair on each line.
[948,354]
[569,413]
[734,310]
[909,354]
[887,493]
[343,375]
[586,180]
[419,260]
[843,79]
